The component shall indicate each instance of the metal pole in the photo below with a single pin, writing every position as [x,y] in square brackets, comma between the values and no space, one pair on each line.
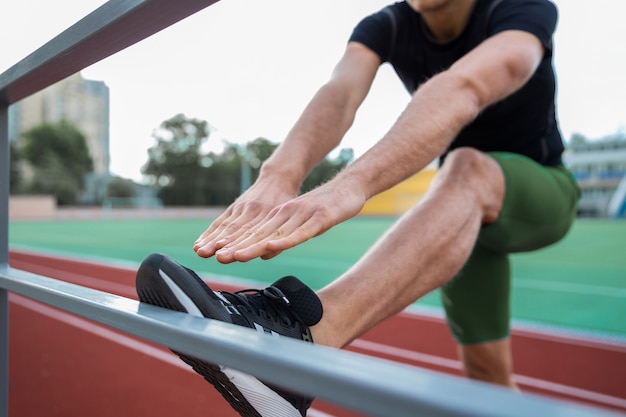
[4,258]
[244,153]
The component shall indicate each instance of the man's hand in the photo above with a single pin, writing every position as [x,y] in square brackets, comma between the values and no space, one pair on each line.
[243,215]
[284,227]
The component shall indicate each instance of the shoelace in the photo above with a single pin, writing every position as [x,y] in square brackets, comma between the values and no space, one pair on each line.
[269,303]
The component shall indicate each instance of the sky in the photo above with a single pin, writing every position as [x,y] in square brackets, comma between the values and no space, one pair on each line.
[249,67]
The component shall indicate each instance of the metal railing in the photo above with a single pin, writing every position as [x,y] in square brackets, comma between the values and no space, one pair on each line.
[365,384]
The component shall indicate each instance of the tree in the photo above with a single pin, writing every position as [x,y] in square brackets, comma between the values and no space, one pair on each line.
[121,188]
[175,161]
[59,158]
[256,153]
[260,149]
[577,139]
[223,177]
[186,175]
[326,170]
[14,169]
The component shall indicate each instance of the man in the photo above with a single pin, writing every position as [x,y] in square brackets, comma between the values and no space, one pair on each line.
[482,84]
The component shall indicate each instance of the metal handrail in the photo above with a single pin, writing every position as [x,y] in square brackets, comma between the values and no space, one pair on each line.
[109,29]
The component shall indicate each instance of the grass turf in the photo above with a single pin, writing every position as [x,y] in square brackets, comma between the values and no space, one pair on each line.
[579,283]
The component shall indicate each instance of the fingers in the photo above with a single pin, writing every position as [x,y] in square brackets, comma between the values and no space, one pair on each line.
[281,230]
[228,227]
[249,230]
[205,244]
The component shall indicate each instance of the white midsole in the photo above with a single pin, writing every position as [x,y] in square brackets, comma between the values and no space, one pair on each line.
[264,399]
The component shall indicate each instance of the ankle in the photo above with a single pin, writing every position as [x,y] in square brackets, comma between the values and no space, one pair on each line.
[324,335]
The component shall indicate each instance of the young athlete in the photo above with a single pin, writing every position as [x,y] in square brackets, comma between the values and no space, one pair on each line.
[483,89]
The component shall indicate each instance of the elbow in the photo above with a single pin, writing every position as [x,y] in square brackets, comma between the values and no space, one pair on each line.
[475,94]
[470,96]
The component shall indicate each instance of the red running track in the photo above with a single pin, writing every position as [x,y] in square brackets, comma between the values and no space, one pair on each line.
[64,365]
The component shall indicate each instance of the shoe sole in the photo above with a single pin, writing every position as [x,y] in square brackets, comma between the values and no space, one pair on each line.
[163,282]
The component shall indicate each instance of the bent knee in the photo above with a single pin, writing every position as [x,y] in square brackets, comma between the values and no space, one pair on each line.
[472,163]
[481,175]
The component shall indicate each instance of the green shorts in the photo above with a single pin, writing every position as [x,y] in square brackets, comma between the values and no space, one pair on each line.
[539,208]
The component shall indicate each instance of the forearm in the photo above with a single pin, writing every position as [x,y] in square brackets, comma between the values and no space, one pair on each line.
[318,131]
[422,133]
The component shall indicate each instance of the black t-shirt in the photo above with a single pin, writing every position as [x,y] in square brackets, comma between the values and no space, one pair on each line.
[525,122]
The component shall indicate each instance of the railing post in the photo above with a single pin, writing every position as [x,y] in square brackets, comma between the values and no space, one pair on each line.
[4,258]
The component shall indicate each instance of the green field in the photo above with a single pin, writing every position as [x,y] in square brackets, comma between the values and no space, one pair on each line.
[578,284]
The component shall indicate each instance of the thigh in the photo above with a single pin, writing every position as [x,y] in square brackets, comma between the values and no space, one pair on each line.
[539,206]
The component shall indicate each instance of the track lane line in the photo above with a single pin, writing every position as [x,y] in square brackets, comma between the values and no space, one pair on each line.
[569,287]
[531,330]
[521,379]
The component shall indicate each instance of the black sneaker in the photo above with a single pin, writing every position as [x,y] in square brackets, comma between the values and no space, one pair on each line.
[287,308]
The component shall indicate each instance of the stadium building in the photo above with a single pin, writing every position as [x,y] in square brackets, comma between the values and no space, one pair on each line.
[600,168]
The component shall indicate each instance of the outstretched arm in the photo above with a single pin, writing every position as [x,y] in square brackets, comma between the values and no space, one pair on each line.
[320,128]
[436,114]
[445,104]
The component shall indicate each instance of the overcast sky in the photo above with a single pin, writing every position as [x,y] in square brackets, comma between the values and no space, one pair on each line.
[249,67]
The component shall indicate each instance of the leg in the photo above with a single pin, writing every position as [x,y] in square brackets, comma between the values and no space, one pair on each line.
[489,362]
[538,209]
[423,250]
[477,309]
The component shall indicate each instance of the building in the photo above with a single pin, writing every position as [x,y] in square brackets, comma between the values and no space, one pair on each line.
[82,102]
[600,168]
